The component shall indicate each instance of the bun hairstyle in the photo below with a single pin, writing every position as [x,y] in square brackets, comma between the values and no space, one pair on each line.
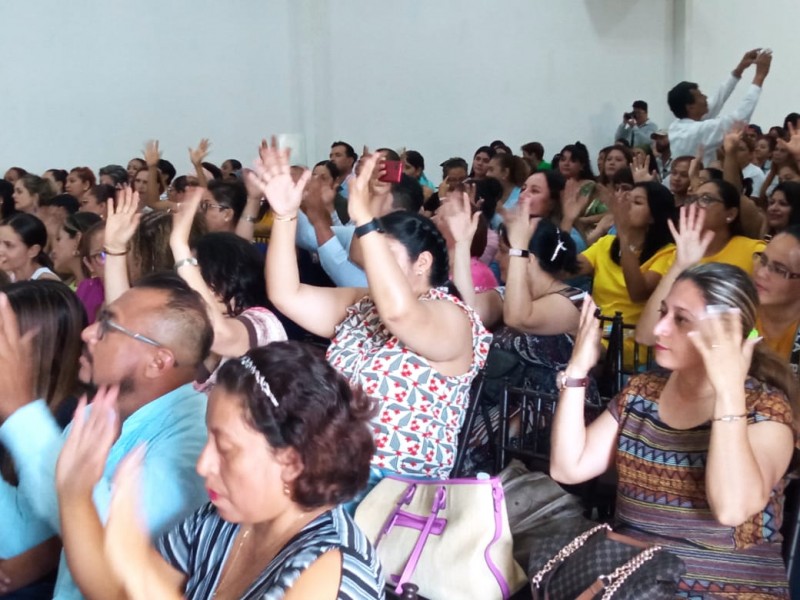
[730,286]
[555,250]
[419,234]
[32,232]
[297,400]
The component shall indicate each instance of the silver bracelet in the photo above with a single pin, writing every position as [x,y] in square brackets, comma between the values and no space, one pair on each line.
[731,418]
[186,261]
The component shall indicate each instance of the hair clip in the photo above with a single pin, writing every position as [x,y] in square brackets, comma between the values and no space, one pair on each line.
[753,334]
[248,364]
[559,247]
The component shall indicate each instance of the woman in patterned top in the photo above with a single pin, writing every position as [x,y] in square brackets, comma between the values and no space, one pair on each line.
[409,342]
[288,442]
[702,451]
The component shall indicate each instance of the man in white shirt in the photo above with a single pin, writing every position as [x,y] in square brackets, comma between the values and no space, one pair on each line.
[698,122]
[636,128]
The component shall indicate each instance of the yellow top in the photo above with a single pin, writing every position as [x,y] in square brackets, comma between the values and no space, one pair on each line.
[784,343]
[608,287]
[738,252]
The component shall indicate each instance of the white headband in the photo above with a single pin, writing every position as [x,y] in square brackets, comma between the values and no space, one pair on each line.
[262,383]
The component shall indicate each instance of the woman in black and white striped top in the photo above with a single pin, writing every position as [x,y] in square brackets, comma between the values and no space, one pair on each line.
[288,442]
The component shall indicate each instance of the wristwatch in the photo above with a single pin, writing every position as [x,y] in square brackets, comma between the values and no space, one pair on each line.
[518,252]
[563,381]
[369,227]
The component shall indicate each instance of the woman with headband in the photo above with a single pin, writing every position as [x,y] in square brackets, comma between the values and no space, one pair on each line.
[283,453]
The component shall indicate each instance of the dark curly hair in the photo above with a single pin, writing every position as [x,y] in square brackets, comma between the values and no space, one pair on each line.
[319,415]
[233,269]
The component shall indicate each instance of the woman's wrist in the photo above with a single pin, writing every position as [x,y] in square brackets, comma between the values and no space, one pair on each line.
[292,216]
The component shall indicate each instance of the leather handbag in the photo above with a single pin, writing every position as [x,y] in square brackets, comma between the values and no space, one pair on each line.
[449,537]
[578,559]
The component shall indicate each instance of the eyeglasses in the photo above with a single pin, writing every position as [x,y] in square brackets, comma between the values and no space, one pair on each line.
[106,324]
[100,256]
[204,206]
[703,201]
[623,187]
[762,260]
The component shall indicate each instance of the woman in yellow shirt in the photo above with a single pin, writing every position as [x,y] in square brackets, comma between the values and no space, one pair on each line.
[627,267]
[777,279]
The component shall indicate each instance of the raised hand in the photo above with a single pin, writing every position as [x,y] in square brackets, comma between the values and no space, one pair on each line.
[730,143]
[793,145]
[519,224]
[641,168]
[691,243]
[574,202]
[719,339]
[122,221]
[763,64]
[587,348]
[272,176]
[359,204]
[749,58]
[695,166]
[83,458]
[182,219]
[457,215]
[199,154]
[16,362]
[151,153]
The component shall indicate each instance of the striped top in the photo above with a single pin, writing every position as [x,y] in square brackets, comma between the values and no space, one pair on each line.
[661,496]
[200,545]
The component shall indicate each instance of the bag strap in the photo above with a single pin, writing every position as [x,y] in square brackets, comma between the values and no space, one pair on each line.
[615,580]
[565,553]
[439,502]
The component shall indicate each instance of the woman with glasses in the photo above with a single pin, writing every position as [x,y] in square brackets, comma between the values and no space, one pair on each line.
[777,279]
[710,231]
[90,291]
[66,256]
[222,205]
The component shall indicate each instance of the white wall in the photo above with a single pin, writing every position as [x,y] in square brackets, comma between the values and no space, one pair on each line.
[87,82]
[718,32]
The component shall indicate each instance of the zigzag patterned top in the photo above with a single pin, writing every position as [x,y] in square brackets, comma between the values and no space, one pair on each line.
[661,496]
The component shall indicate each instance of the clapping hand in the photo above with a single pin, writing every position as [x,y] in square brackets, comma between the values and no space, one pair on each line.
[574,202]
[456,213]
[691,242]
[587,348]
[359,204]
[520,226]
[83,457]
[272,176]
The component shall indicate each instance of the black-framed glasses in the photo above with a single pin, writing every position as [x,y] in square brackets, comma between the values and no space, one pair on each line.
[100,256]
[762,260]
[106,324]
[703,200]
[204,206]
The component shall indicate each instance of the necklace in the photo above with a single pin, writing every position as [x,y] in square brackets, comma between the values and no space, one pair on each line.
[229,568]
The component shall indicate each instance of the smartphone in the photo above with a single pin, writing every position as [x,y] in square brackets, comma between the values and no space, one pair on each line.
[394,171]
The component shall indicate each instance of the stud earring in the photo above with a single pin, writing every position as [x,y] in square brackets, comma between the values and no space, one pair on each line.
[286,489]
[729,219]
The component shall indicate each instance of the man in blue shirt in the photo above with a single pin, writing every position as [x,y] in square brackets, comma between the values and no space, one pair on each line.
[149,342]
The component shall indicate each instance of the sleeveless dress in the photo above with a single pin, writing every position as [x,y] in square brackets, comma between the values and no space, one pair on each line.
[420,410]
[199,546]
[661,496]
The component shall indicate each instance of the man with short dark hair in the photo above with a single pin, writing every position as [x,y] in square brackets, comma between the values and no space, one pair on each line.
[533,153]
[698,123]
[149,342]
[636,127]
[663,153]
[344,157]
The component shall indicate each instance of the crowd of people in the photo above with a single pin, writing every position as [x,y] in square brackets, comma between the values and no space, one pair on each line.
[204,374]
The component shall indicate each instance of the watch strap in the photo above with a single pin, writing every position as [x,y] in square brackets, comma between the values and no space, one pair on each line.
[373,225]
[518,252]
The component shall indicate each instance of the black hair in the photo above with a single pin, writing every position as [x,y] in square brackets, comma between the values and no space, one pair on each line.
[32,232]
[679,97]
[488,150]
[185,307]
[60,175]
[80,222]
[488,192]
[388,153]
[578,152]
[534,148]
[792,118]
[415,159]
[555,250]
[555,185]
[608,150]
[662,210]
[331,166]
[622,177]
[7,198]
[167,169]
[500,144]
[237,166]
[180,183]
[455,162]
[118,173]
[215,171]
[232,194]
[103,192]
[66,201]
[234,269]
[419,234]
[791,189]
[640,104]
[349,151]
[407,194]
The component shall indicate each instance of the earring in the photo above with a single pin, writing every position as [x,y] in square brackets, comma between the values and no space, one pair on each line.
[419,272]
[286,490]
[729,219]
[76,253]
